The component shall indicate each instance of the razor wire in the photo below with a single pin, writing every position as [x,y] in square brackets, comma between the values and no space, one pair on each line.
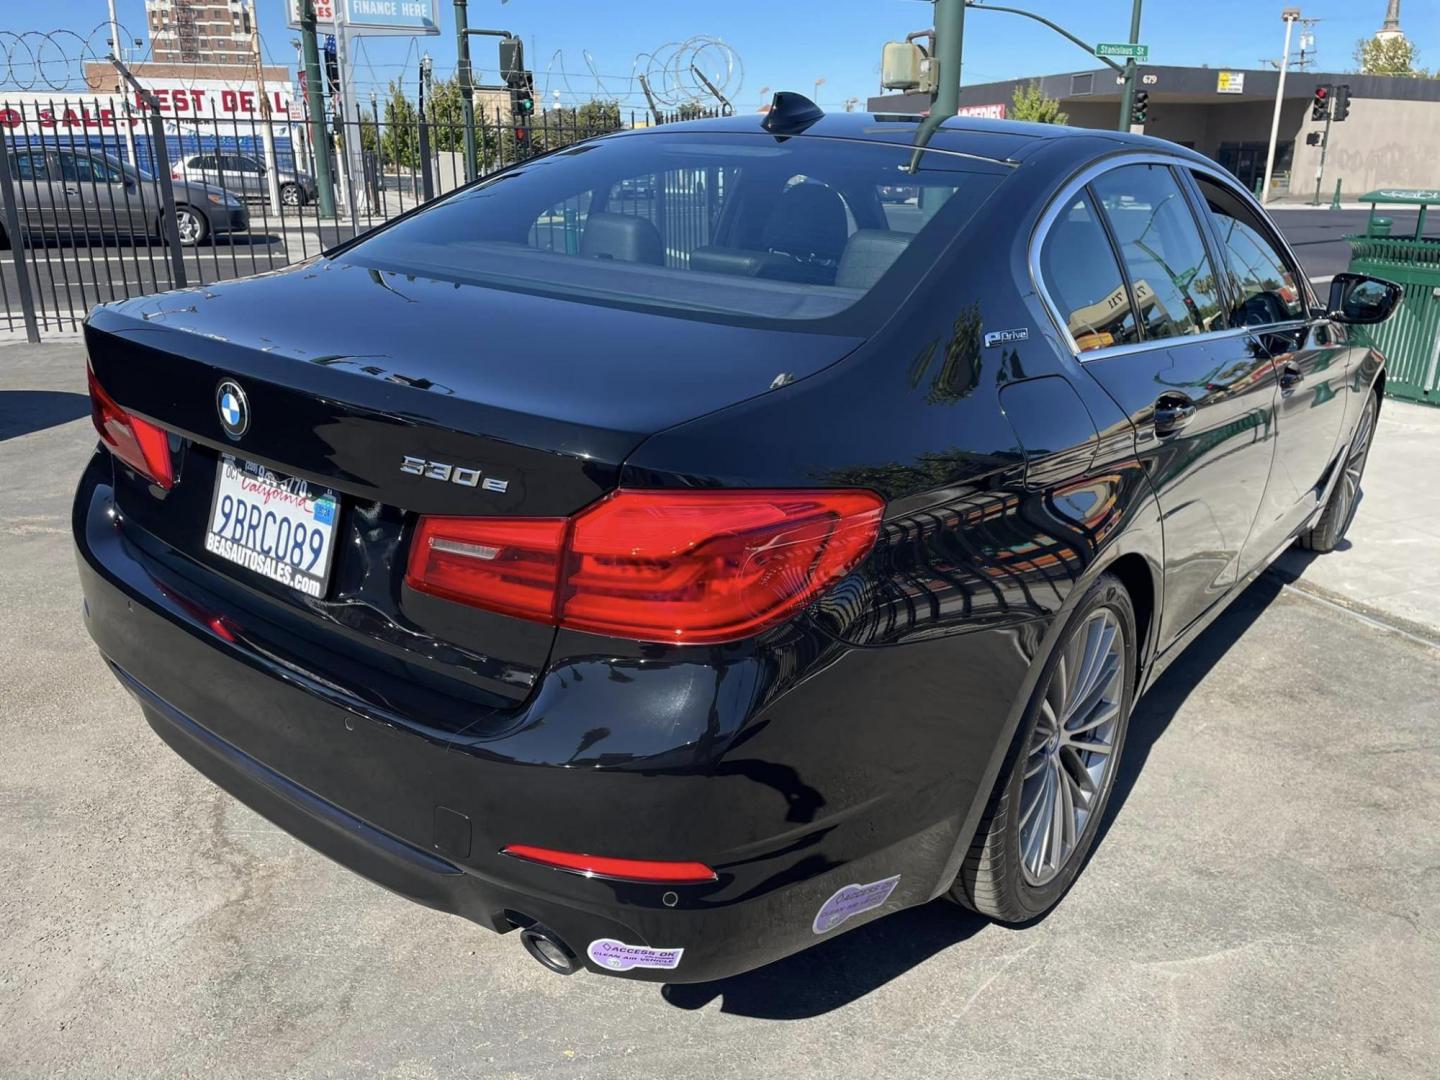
[675,73]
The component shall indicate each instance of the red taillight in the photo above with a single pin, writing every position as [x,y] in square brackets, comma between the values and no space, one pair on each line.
[175,173]
[138,443]
[509,565]
[686,567]
[669,873]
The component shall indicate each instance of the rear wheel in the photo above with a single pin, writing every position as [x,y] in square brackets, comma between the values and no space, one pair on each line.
[1048,803]
[292,195]
[1345,496]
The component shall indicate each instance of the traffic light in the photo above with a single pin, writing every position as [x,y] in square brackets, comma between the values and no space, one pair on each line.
[1140,107]
[1320,105]
[1340,107]
[522,91]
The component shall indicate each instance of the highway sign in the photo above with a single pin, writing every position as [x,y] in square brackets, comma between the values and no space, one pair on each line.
[1123,50]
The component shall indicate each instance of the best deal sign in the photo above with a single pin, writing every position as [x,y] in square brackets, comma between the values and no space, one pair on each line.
[385,16]
[36,114]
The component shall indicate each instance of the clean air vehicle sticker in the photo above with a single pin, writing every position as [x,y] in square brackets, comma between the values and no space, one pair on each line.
[851,901]
[617,956]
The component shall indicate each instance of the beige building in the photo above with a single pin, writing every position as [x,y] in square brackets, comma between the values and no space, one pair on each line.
[198,31]
[1391,137]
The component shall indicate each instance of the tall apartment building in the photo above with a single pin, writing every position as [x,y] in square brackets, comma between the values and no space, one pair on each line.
[198,31]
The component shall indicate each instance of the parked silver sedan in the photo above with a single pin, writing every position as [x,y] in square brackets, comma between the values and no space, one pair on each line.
[79,193]
[245,176]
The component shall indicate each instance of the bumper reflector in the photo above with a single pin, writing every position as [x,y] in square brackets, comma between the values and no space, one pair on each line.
[645,870]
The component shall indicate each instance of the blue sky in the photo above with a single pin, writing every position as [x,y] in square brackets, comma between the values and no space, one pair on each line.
[791,45]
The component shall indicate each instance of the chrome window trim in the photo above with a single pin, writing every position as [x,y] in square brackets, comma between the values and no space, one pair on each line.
[1073,188]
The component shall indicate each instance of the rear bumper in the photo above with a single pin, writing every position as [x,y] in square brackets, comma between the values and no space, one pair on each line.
[425,813]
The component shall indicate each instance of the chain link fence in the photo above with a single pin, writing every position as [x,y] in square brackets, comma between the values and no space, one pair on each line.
[104,200]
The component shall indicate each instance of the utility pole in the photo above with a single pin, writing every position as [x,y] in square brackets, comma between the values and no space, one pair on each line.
[1127,95]
[1291,16]
[119,51]
[315,106]
[267,117]
[467,86]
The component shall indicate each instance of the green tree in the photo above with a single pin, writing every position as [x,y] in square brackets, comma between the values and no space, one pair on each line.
[1030,103]
[1389,56]
[400,140]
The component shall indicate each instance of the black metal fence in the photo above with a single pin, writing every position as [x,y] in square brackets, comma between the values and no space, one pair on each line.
[85,187]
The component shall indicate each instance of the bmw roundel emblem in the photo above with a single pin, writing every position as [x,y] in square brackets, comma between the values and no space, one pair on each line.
[233,407]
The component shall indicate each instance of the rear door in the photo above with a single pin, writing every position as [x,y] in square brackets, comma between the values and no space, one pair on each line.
[95,190]
[1270,297]
[245,175]
[1127,269]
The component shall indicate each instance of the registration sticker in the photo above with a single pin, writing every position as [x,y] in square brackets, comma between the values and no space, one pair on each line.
[851,901]
[617,956]
[280,527]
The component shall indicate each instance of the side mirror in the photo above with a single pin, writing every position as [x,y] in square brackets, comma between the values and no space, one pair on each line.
[1358,300]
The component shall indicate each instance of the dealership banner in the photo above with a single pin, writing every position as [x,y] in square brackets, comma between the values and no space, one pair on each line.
[182,104]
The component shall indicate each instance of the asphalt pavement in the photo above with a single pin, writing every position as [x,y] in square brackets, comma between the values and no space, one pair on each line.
[1264,902]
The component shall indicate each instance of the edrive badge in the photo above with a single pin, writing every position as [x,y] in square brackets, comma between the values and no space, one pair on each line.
[233,407]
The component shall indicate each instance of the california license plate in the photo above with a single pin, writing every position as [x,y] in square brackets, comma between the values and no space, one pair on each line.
[280,527]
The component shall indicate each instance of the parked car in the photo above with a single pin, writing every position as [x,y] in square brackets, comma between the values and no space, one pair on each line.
[245,176]
[79,194]
[714,584]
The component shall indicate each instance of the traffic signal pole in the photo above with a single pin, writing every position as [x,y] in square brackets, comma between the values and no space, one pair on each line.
[467,85]
[949,47]
[315,106]
[1127,95]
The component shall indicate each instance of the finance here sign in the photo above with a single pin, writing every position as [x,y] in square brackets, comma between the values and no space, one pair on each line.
[383,16]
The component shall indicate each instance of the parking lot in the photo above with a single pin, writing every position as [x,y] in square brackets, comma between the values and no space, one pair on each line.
[1263,902]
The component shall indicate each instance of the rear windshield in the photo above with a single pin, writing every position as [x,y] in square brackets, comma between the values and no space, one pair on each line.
[717,225]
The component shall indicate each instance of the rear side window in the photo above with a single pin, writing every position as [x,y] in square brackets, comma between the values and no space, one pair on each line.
[1175,285]
[1264,288]
[1083,279]
[718,224]
[32,167]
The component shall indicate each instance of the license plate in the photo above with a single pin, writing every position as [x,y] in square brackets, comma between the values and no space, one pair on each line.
[280,527]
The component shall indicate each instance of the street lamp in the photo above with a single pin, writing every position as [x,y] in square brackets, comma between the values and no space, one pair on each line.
[1291,15]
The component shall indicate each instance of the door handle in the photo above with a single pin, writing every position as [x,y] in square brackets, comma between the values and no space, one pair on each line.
[1172,412]
[71,190]
[1290,377]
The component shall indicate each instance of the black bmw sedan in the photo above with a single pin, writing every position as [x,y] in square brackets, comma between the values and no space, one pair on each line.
[682,580]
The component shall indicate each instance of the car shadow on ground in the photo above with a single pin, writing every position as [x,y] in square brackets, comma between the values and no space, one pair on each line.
[24,411]
[844,969]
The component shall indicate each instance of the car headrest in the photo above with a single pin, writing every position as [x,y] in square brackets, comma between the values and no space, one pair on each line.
[622,237]
[808,220]
[868,254]
[718,260]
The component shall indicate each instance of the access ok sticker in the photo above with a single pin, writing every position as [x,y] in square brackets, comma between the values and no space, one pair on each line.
[852,900]
[617,956]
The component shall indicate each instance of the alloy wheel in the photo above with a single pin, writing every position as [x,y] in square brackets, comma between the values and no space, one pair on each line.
[1348,488]
[187,224]
[1071,749]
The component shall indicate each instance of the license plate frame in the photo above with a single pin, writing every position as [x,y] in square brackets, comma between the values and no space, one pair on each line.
[243,536]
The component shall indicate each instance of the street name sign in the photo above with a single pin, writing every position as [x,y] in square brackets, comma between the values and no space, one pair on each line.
[1123,51]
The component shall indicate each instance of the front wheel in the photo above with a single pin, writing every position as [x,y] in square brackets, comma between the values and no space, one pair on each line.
[191,225]
[1345,495]
[1048,803]
[292,195]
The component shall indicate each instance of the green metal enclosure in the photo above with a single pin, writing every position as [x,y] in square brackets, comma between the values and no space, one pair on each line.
[1410,339]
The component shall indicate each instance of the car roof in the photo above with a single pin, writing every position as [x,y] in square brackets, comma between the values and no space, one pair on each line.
[999,140]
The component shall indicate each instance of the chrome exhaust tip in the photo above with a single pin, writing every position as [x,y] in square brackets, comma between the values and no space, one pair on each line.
[546,947]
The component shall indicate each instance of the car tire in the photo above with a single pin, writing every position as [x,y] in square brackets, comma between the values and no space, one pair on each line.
[1344,498]
[1015,871]
[192,226]
[292,195]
